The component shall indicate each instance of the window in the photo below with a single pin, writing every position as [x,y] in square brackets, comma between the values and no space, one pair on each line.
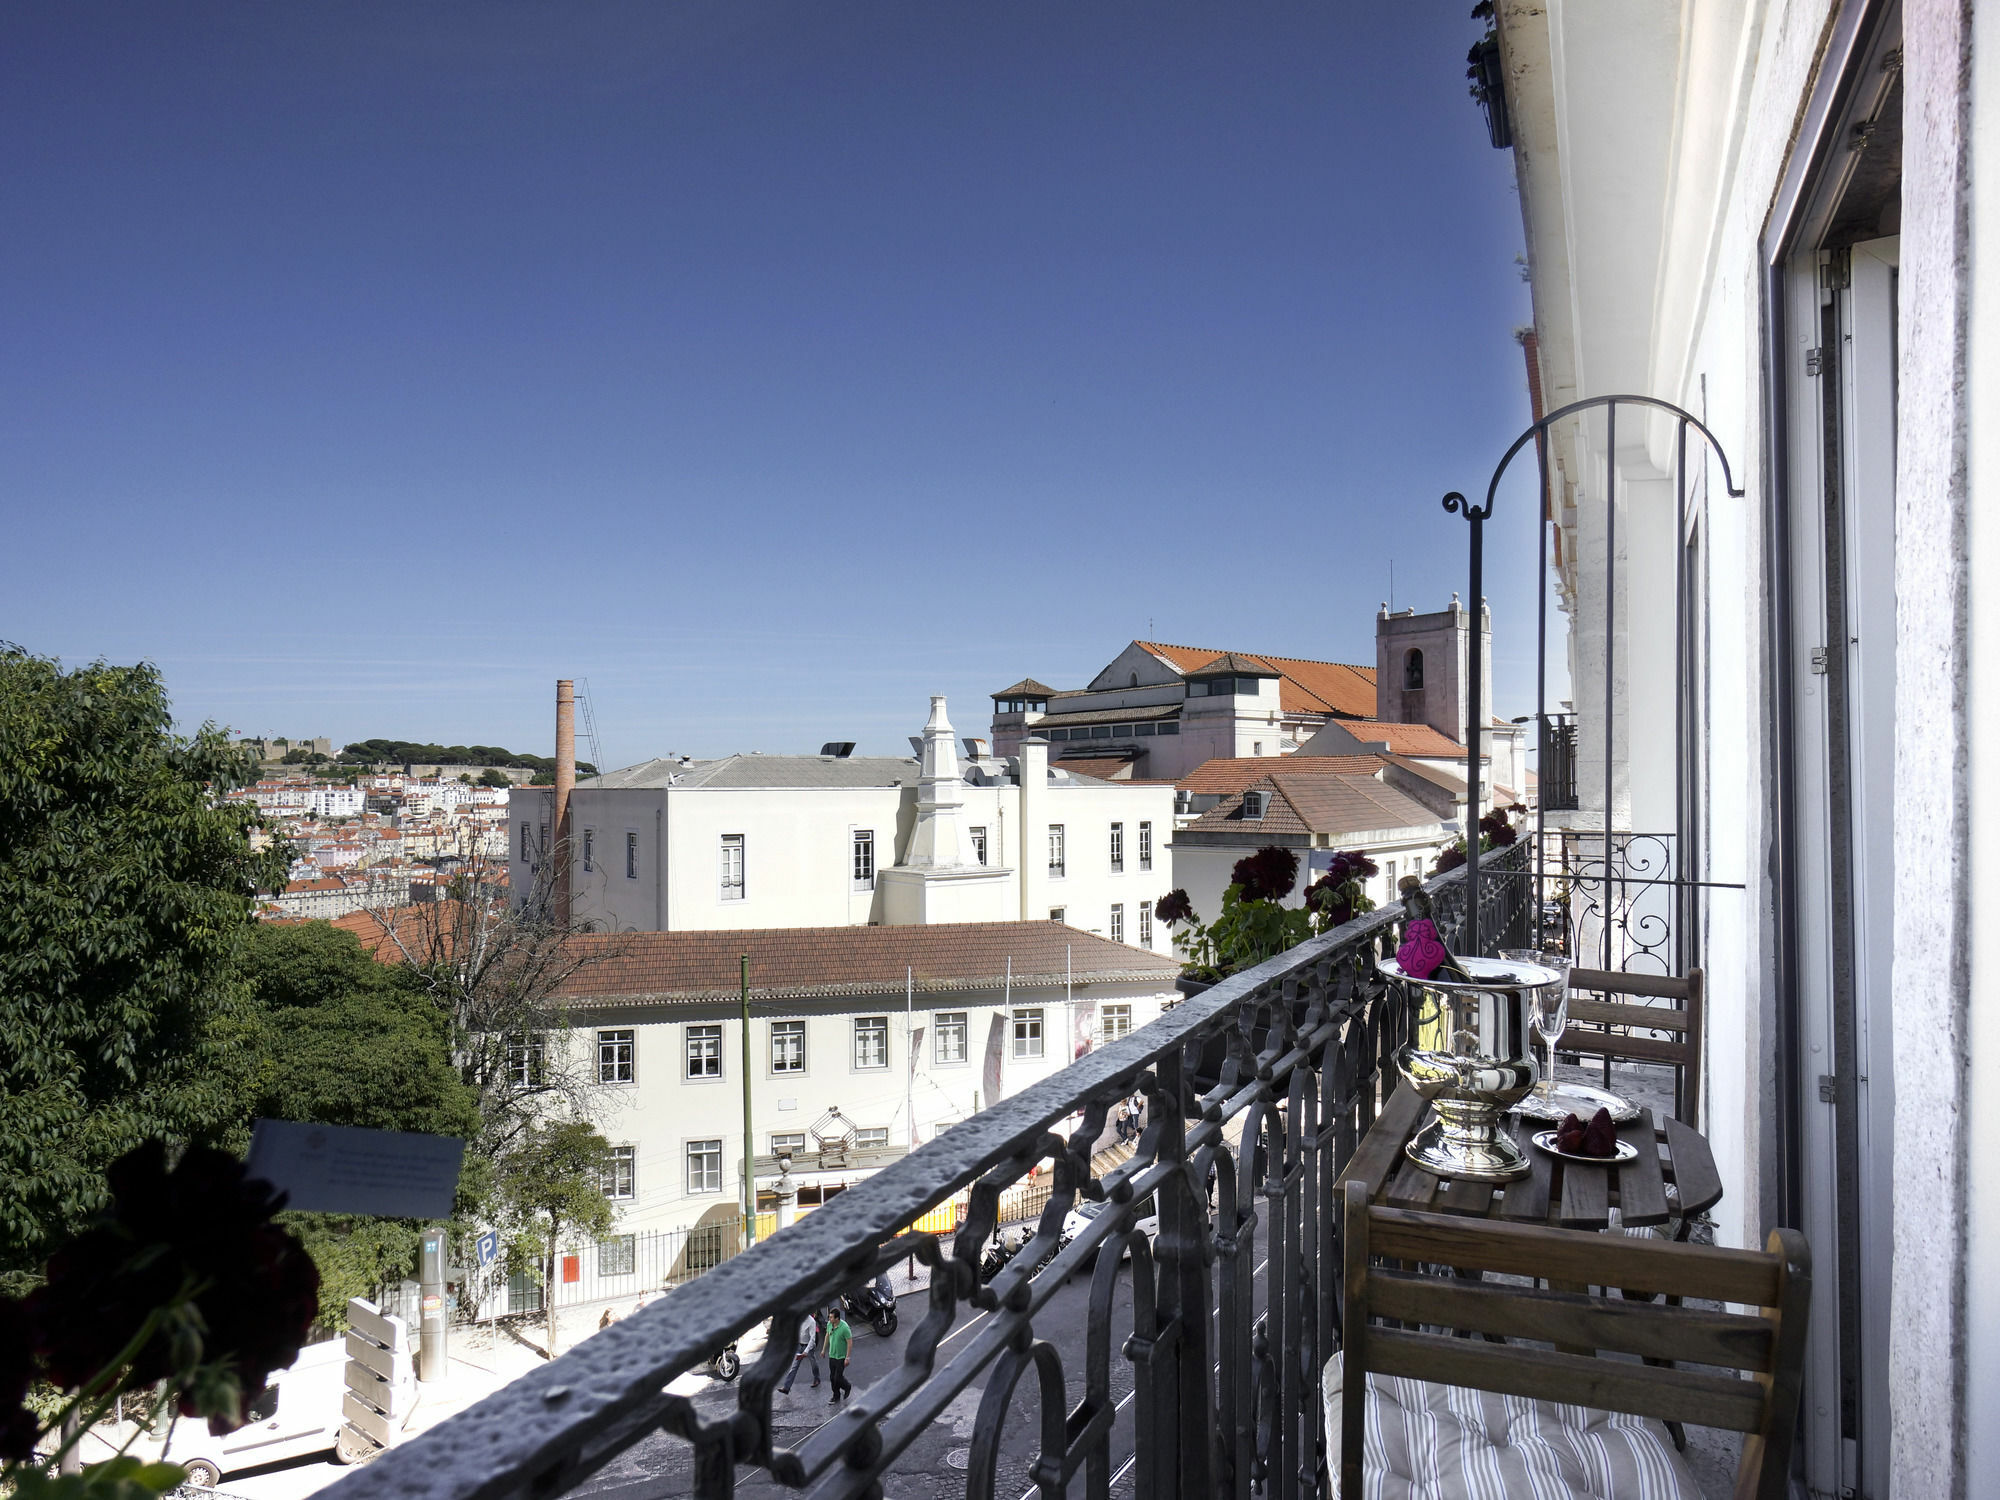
[1253,806]
[872,1136]
[1145,846]
[1027,1033]
[950,1032]
[1170,728]
[789,1143]
[704,1166]
[524,1291]
[631,856]
[1117,921]
[864,859]
[1058,913]
[1145,924]
[1056,861]
[619,1176]
[614,1056]
[788,1046]
[979,846]
[732,867]
[704,1051]
[618,1255]
[263,1407]
[589,848]
[527,843]
[1256,747]
[524,1060]
[871,1041]
[1114,1021]
[1413,671]
[1117,848]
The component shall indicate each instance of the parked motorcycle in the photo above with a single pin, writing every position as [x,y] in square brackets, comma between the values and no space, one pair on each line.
[869,1306]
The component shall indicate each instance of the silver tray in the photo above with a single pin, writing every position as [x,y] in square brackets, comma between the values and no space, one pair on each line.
[1546,1140]
[1578,1099]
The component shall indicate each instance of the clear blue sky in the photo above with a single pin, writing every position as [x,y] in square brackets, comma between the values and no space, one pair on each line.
[368,367]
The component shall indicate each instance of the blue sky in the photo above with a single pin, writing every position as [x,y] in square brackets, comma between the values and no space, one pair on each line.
[771,367]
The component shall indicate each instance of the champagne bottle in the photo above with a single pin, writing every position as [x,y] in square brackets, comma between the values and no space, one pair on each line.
[1416,910]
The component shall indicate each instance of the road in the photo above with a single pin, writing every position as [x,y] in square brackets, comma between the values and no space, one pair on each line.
[934,1465]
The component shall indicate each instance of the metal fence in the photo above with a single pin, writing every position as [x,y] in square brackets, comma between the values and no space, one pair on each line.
[1257,1092]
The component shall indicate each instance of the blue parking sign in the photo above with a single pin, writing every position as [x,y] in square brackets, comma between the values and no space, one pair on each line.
[487,1248]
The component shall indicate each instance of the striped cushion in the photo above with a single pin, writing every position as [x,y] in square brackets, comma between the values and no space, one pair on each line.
[1440,1442]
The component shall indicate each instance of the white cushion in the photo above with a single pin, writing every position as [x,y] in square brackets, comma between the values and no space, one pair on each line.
[1438,1442]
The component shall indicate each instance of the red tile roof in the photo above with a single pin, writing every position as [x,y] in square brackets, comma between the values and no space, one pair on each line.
[1314,687]
[1318,804]
[1405,739]
[1229,775]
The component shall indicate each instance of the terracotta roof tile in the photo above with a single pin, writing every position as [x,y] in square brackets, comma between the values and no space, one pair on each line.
[1402,739]
[1316,687]
[1318,804]
[1230,775]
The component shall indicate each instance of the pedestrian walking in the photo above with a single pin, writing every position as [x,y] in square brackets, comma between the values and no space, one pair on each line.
[805,1351]
[838,1337]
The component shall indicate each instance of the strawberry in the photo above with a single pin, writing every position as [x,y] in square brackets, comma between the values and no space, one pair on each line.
[1600,1138]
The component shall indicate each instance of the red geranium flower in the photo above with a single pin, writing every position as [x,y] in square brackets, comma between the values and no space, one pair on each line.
[1267,875]
[1174,907]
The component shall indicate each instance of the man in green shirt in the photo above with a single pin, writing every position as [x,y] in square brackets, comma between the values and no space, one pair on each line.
[838,1337]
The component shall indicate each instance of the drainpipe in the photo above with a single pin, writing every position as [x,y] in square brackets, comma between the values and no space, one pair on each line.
[1034,829]
[565,784]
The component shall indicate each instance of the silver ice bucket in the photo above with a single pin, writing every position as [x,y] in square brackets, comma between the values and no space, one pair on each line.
[1470,1054]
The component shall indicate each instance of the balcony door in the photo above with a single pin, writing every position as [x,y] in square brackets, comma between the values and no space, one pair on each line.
[1843,327]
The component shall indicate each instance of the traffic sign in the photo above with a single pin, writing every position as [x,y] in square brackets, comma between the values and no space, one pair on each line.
[487,1248]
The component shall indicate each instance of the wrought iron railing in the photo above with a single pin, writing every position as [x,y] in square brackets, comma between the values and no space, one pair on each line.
[1257,1092]
[1555,764]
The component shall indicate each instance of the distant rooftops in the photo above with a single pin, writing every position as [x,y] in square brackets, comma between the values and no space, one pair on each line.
[758,771]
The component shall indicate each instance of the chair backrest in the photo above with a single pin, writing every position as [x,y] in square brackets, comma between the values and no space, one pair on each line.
[1681,1048]
[1769,1344]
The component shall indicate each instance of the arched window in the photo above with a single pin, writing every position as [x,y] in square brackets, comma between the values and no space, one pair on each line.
[1134,682]
[1413,670]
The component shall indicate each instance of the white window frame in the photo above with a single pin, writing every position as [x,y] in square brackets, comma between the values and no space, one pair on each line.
[863,863]
[1029,1033]
[1117,932]
[1058,913]
[954,1023]
[1145,924]
[1117,848]
[618,1055]
[526,1059]
[784,1068]
[1114,1020]
[790,1143]
[619,1177]
[705,1180]
[631,854]
[979,845]
[1058,852]
[872,1028]
[735,867]
[696,1038]
[1145,846]
[871,1136]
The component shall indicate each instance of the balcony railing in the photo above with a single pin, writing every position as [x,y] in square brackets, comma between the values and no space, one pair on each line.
[1258,1091]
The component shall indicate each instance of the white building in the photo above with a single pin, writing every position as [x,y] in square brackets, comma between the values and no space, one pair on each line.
[767,841]
[863,1041]
[1159,711]
[1784,218]
[335,801]
[1314,815]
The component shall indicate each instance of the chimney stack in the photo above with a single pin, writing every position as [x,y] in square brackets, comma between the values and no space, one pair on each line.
[565,784]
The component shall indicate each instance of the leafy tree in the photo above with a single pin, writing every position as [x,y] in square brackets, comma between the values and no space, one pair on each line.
[338,1039]
[125,888]
[492,776]
[551,1185]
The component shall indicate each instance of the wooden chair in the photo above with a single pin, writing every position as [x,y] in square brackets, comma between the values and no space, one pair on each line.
[1769,1344]
[1620,1037]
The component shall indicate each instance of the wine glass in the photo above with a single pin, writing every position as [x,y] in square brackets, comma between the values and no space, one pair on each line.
[1548,1007]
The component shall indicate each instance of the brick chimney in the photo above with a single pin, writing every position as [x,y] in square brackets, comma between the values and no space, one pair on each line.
[565,784]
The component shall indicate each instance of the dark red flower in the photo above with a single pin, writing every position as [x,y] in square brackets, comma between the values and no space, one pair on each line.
[1451,859]
[202,1231]
[1174,907]
[18,1427]
[1267,875]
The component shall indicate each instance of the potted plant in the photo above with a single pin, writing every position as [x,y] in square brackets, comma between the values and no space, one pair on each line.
[1254,923]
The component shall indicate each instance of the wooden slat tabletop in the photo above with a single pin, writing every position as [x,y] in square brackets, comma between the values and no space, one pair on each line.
[1573,1194]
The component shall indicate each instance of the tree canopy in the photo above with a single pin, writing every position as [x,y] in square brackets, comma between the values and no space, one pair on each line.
[126,886]
[551,1186]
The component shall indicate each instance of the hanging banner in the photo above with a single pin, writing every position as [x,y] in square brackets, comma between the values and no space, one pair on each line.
[1083,1028]
[996,1053]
